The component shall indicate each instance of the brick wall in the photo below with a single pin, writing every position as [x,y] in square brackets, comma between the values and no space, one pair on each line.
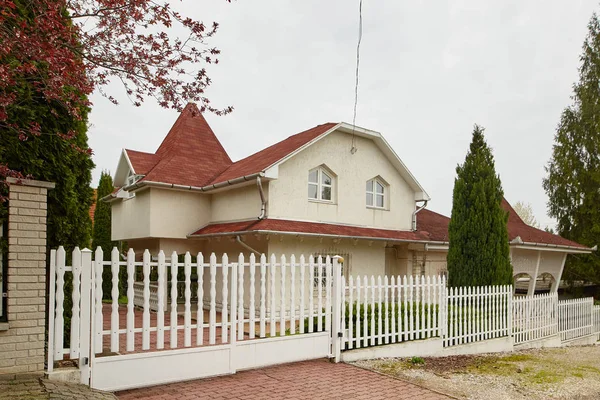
[22,338]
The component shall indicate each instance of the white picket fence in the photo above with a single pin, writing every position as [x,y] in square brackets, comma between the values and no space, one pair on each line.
[261,298]
[575,318]
[382,311]
[478,313]
[209,311]
[535,317]
[597,321]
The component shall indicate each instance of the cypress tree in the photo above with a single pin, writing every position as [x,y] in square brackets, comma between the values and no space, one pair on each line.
[102,232]
[102,215]
[479,249]
[59,153]
[572,182]
[49,157]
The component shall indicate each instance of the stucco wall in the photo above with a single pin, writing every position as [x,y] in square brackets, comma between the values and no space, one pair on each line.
[524,261]
[175,214]
[237,204]
[288,195]
[131,217]
[404,261]
[398,260]
[435,262]
[159,213]
[364,259]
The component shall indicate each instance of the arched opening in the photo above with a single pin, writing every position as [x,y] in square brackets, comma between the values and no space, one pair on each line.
[521,283]
[544,283]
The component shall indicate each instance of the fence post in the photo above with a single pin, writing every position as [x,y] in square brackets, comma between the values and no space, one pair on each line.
[510,313]
[234,316]
[51,311]
[336,333]
[443,310]
[85,334]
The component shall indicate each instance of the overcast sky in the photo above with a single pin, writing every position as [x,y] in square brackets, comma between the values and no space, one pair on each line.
[429,71]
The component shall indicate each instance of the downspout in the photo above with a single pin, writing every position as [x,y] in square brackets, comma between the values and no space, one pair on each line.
[263,201]
[414,215]
[244,245]
[263,214]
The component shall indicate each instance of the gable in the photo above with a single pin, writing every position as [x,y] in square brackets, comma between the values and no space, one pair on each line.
[263,159]
[192,157]
[376,138]
[290,194]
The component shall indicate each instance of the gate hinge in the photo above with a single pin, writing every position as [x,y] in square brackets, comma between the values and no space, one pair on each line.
[85,360]
[340,334]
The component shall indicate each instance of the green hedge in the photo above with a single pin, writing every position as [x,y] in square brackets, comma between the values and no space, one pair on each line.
[356,312]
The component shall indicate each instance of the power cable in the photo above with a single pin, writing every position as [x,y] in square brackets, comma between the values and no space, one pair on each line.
[353,148]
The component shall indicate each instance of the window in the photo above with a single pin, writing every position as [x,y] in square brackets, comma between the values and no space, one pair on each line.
[320,184]
[323,278]
[376,193]
[131,179]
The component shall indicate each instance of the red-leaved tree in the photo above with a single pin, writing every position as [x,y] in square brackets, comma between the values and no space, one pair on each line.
[69,48]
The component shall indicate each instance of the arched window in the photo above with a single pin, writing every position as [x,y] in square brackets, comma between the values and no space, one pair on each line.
[320,184]
[376,193]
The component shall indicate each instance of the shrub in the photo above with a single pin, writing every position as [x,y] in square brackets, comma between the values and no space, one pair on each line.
[356,312]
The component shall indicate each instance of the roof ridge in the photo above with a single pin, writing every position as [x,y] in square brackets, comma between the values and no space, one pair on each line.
[272,154]
[283,140]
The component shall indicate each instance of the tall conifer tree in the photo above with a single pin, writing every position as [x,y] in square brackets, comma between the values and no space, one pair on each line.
[102,215]
[573,172]
[479,249]
[101,232]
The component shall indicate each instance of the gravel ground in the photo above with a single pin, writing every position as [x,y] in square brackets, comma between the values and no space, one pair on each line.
[571,373]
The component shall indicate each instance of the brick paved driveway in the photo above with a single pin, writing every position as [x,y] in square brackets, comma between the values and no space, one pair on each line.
[318,379]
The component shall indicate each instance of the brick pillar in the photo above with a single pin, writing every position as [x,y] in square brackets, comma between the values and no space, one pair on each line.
[22,338]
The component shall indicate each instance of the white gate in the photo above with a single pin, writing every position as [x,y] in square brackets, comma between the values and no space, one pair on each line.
[535,317]
[209,318]
[575,318]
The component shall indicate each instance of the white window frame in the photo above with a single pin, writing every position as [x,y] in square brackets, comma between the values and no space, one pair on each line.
[374,194]
[320,184]
[132,178]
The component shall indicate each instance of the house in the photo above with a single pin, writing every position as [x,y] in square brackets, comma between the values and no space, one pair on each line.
[334,189]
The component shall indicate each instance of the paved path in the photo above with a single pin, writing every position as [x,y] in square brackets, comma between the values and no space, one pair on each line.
[24,387]
[318,379]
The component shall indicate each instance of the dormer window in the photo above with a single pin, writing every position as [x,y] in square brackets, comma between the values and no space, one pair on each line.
[376,193]
[320,184]
[132,178]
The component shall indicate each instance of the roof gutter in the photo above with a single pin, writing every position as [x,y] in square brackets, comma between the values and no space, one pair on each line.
[141,184]
[519,242]
[108,198]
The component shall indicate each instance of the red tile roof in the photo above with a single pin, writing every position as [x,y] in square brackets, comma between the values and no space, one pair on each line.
[437,226]
[279,225]
[259,161]
[142,162]
[431,227]
[516,227]
[191,154]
